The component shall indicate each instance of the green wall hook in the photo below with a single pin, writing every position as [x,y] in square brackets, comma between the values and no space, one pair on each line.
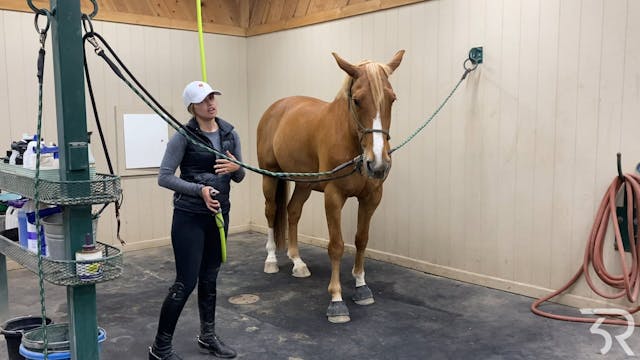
[475,55]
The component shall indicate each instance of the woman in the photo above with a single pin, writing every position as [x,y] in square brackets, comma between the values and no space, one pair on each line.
[201,190]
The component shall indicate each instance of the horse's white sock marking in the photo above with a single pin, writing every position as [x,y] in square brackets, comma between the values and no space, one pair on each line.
[359,279]
[271,247]
[297,261]
[378,141]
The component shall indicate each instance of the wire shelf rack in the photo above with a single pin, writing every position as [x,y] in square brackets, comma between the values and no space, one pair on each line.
[99,189]
[68,272]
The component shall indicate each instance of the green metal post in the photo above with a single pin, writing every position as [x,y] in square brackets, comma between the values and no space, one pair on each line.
[4,288]
[74,165]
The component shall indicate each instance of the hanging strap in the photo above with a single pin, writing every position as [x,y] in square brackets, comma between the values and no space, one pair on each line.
[88,27]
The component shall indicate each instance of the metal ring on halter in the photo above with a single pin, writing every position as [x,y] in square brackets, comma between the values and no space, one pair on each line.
[469,69]
[35,21]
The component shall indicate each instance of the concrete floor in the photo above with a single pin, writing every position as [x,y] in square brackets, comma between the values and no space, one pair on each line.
[415,316]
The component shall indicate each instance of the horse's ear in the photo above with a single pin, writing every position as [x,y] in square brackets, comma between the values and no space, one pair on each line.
[395,62]
[346,66]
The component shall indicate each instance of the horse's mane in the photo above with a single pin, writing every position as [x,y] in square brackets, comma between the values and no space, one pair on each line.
[374,72]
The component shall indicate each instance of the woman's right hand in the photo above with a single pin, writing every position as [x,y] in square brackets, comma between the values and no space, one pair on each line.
[212,204]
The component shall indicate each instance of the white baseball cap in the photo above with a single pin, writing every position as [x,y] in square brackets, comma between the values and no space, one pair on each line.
[196,91]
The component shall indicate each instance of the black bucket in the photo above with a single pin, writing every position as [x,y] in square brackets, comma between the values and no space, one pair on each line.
[13,330]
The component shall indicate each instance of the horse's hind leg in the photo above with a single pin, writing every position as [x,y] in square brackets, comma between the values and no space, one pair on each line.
[269,188]
[366,207]
[294,209]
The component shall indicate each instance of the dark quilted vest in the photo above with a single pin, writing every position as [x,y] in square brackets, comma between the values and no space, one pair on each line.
[197,167]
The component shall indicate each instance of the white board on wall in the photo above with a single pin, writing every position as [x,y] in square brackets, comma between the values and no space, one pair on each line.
[145,140]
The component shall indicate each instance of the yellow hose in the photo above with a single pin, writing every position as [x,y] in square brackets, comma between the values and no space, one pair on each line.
[203,65]
[223,238]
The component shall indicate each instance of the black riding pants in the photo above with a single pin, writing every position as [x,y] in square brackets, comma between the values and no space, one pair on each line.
[197,251]
[196,247]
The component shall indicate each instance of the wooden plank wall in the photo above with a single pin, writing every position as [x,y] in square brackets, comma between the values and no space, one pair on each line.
[219,16]
[230,17]
[502,187]
[277,15]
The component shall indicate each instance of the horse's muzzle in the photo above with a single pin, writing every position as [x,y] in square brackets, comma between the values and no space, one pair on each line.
[377,171]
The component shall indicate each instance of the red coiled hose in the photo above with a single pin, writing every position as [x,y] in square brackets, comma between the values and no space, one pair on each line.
[628,282]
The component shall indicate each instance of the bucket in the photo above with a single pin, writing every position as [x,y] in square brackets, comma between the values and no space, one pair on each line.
[32,347]
[54,235]
[55,245]
[13,330]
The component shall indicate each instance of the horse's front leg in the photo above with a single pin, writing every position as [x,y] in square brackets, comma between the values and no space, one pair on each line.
[366,207]
[294,210]
[333,203]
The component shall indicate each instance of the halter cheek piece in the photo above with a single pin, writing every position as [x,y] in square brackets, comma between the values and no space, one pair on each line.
[362,130]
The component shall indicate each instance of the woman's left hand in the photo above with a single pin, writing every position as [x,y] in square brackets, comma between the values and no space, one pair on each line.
[224,166]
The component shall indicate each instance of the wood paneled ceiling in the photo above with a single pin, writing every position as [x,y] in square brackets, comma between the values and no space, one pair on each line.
[231,17]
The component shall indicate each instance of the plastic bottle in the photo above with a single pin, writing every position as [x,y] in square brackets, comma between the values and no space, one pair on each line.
[14,156]
[48,155]
[17,150]
[92,160]
[11,218]
[86,270]
[23,235]
[32,237]
[29,156]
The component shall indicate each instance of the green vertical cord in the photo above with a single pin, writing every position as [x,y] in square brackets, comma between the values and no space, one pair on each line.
[203,63]
[39,234]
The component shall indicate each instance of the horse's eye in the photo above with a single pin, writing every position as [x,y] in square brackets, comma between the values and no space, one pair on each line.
[356,101]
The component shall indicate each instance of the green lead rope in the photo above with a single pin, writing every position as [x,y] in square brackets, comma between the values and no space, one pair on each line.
[223,237]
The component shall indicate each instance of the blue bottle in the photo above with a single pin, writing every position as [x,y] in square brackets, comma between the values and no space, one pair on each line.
[23,235]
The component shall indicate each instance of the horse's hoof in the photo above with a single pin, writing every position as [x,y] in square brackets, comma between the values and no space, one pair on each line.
[301,271]
[271,267]
[363,296]
[338,313]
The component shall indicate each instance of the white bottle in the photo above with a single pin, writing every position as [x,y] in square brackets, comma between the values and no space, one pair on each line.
[92,160]
[12,158]
[11,218]
[14,153]
[29,156]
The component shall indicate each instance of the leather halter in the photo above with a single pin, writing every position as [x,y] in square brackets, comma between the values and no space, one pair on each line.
[362,130]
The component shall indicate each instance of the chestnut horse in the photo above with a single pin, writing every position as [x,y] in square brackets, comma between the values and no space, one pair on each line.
[304,134]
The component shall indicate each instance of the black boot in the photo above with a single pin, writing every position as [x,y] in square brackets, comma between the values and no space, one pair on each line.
[208,341]
[155,354]
[169,314]
[216,347]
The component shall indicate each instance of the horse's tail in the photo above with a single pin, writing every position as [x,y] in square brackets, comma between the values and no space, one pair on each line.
[280,223]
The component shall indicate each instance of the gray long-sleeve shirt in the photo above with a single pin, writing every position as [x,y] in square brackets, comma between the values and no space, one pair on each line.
[173,157]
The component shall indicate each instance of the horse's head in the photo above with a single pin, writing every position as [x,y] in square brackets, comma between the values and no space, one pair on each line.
[370,96]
